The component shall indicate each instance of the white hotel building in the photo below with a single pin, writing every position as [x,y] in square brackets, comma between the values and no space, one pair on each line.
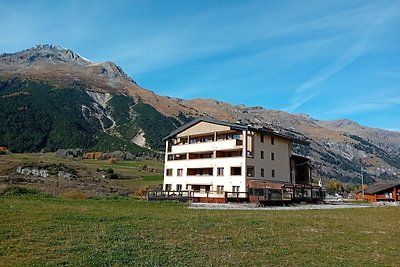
[214,157]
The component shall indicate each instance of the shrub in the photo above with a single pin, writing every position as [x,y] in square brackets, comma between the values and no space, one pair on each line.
[114,176]
[109,170]
[18,191]
[142,192]
[69,153]
[21,191]
[144,167]
[111,160]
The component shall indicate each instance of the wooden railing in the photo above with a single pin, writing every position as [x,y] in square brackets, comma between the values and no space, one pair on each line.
[186,195]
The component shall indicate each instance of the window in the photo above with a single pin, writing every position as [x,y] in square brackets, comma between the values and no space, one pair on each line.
[236,170]
[199,171]
[168,187]
[235,188]
[273,173]
[168,172]
[178,187]
[262,154]
[220,171]
[236,136]
[250,171]
[262,138]
[272,140]
[180,172]
[272,156]
[180,157]
[220,188]
[262,172]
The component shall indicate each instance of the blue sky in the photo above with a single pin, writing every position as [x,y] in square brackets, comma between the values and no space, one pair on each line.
[328,59]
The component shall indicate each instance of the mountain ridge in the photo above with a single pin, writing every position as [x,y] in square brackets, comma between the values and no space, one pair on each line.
[109,105]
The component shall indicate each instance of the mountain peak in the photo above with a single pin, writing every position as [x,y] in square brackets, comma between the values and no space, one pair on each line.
[48,47]
[43,53]
[112,71]
[60,64]
[344,122]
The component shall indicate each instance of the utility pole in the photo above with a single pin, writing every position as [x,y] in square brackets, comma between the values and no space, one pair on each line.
[362,180]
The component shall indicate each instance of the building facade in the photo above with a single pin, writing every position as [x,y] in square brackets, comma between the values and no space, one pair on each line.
[213,157]
[380,192]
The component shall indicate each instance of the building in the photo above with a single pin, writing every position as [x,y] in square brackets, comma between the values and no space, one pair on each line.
[217,160]
[380,192]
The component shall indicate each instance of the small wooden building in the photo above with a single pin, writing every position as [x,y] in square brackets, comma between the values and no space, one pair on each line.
[381,192]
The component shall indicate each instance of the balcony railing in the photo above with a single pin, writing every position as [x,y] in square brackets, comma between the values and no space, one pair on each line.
[232,144]
[189,194]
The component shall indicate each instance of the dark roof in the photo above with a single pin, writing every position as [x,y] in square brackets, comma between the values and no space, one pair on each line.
[299,157]
[301,160]
[379,188]
[235,126]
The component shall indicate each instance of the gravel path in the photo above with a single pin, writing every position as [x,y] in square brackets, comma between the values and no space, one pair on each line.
[236,206]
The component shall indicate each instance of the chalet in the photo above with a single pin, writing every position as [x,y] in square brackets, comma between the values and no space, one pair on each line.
[217,161]
[380,192]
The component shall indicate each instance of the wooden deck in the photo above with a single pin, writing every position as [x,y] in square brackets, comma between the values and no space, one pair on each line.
[288,194]
[199,196]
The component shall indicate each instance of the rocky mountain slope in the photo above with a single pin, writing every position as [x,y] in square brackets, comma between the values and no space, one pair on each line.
[52,98]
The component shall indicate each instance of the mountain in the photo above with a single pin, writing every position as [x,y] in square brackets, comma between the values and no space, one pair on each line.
[52,98]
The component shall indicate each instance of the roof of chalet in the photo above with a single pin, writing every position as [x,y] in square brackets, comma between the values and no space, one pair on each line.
[235,126]
[380,188]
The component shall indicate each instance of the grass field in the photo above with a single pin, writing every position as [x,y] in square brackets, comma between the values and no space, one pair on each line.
[136,174]
[36,231]
[123,167]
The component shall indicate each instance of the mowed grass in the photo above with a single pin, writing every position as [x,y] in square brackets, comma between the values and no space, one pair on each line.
[40,231]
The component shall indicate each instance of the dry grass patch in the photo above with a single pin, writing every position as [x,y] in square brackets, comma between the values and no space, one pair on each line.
[74,195]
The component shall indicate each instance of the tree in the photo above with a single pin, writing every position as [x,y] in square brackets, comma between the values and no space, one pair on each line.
[334,187]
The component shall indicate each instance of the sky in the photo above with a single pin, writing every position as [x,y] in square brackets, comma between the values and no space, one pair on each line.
[329,59]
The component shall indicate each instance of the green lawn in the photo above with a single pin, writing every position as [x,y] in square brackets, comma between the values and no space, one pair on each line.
[39,231]
[147,180]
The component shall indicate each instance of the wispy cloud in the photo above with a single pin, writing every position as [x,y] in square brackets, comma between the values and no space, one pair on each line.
[375,102]
[303,94]
[361,46]
[391,73]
